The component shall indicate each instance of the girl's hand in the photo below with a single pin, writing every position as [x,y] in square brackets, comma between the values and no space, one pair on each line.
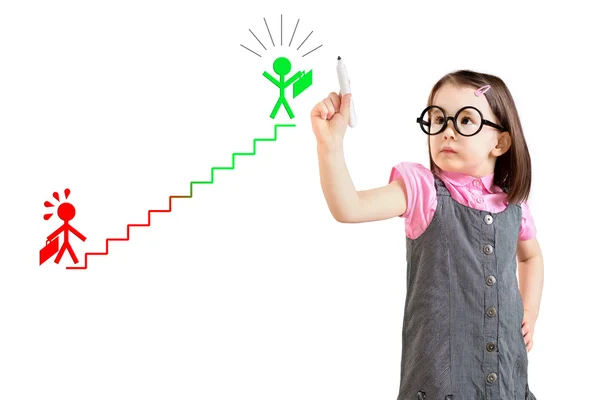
[527,328]
[330,118]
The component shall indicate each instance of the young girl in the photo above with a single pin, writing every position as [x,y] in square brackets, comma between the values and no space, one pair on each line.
[466,330]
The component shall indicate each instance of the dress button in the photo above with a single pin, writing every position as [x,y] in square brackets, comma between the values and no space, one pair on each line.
[492,377]
[488,219]
[490,280]
[491,346]
[491,312]
[488,249]
[479,199]
[476,183]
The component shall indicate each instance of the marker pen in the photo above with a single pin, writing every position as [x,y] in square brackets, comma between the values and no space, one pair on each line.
[345,88]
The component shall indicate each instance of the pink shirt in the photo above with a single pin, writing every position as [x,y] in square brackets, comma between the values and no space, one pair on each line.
[479,193]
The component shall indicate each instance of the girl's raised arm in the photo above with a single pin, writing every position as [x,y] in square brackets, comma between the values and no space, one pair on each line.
[351,206]
[329,122]
[381,203]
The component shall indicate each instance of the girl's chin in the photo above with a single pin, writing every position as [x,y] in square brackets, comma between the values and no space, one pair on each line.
[448,162]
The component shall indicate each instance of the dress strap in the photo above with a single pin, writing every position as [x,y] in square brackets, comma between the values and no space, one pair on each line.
[440,186]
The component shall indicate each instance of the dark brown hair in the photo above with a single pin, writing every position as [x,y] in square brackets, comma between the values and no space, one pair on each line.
[512,171]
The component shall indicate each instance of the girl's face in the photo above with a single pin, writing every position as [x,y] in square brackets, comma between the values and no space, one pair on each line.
[475,155]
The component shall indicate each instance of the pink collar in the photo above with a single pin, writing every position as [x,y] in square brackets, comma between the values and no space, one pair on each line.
[459,179]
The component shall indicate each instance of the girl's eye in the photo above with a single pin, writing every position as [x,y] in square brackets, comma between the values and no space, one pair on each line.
[465,119]
[439,120]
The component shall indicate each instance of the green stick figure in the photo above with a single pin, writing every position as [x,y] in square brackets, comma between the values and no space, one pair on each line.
[282,66]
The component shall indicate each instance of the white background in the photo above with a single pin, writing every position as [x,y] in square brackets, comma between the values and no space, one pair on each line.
[251,289]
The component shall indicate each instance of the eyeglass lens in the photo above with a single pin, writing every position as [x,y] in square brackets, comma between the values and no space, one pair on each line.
[467,122]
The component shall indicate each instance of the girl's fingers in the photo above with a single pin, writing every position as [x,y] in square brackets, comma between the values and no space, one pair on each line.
[319,110]
[330,107]
[336,100]
[324,110]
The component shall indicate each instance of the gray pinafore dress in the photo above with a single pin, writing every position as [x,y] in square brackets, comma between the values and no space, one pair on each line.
[461,337]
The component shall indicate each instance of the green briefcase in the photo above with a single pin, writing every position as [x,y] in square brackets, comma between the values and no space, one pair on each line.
[304,82]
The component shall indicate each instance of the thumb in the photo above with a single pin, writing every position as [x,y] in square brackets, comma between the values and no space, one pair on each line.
[345,108]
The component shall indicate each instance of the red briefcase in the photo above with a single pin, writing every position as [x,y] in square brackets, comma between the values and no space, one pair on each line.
[49,250]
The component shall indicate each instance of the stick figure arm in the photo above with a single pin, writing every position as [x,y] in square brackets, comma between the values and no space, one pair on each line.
[77,233]
[293,78]
[56,232]
[269,77]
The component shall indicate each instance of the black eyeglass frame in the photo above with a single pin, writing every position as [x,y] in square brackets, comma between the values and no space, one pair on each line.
[422,122]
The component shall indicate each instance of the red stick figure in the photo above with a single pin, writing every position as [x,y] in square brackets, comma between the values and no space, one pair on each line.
[66,212]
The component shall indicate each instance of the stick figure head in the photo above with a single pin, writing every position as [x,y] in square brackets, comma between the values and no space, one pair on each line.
[282,66]
[66,211]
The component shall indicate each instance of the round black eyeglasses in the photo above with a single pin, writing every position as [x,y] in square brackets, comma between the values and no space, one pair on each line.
[468,121]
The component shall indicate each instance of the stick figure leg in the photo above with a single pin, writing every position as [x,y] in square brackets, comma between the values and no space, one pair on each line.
[276,108]
[72,253]
[60,253]
[288,109]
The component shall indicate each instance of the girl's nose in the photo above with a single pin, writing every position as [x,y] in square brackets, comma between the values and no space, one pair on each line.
[449,131]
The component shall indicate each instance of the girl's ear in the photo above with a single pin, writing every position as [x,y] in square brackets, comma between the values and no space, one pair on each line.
[504,143]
